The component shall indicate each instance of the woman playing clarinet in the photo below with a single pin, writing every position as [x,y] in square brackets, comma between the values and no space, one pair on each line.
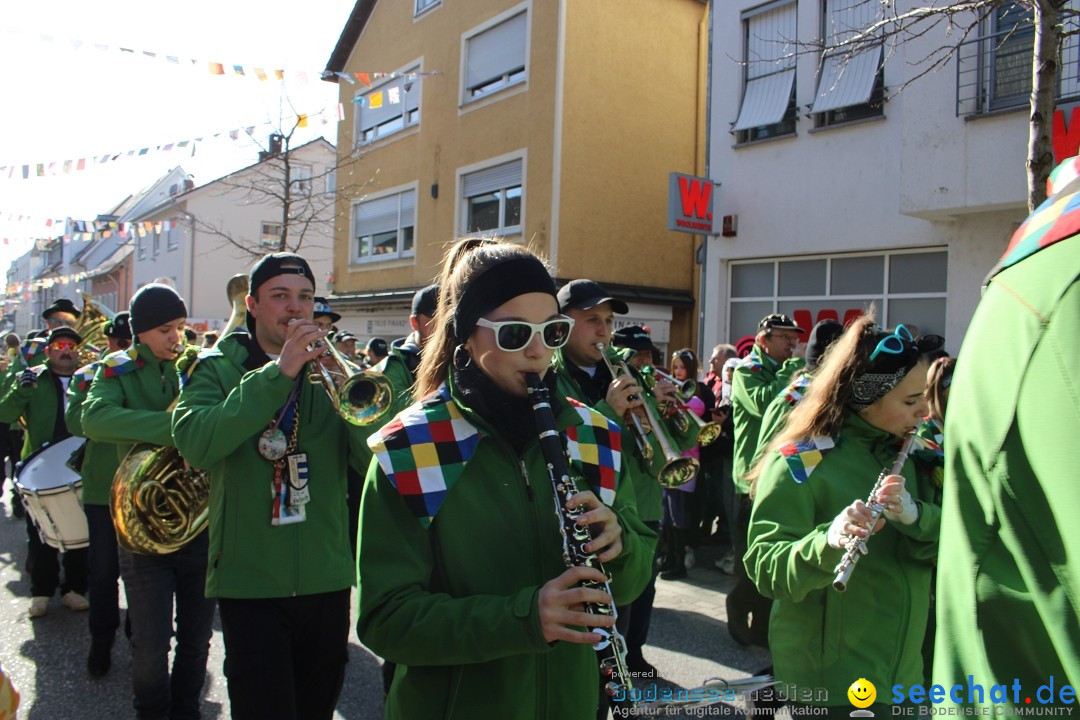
[462,577]
[811,493]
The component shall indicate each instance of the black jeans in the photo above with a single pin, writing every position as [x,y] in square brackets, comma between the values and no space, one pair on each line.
[44,563]
[104,575]
[151,582]
[285,657]
[744,599]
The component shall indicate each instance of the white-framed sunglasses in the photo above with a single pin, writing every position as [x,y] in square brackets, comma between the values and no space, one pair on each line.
[515,335]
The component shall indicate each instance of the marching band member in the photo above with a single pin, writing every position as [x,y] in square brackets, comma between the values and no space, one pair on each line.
[276,451]
[127,403]
[463,582]
[98,468]
[866,396]
[324,316]
[37,395]
[400,365]
[757,379]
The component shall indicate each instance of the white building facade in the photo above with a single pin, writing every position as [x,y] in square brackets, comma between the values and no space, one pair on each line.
[844,191]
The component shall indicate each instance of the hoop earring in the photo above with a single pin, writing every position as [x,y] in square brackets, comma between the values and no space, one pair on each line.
[458,362]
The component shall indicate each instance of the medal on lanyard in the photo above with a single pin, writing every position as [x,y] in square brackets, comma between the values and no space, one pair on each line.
[273,444]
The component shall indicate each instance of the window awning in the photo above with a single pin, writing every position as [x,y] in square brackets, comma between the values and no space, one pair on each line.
[847,80]
[765,100]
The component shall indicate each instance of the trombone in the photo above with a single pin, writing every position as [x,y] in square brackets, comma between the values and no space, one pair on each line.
[708,432]
[361,397]
[677,469]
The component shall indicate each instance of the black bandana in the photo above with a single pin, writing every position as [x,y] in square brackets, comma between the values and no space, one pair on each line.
[871,387]
[496,285]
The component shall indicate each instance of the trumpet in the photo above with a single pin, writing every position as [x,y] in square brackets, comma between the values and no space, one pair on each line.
[677,470]
[360,397]
[708,432]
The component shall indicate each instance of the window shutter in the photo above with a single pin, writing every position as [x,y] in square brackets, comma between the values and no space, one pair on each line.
[491,179]
[377,216]
[496,51]
[770,66]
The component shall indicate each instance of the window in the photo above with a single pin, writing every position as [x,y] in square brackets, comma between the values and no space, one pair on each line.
[141,246]
[492,199]
[300,179]
[173,238]
[157,240]
[495,58]
[388,108]
[383,228]
[852,83]
[425,5]
[907,287]
[270,236]
[768,106]
[331,182]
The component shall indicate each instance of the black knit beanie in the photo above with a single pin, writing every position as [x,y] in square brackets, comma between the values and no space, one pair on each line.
[154,305]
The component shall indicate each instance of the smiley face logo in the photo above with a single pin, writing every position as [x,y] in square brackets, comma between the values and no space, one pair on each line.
[862,693]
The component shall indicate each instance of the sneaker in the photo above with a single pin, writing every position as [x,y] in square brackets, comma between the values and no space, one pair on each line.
[74,601]
[100,659]
[689,559]
[726,565]
[39,605]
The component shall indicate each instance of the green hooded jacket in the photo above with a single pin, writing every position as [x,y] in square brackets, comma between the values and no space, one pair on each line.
[821,638]
[757,380]
[395,368]
[1009,597]
[643,474]
[454,604]
[222,411]
[99,458]
[39,405]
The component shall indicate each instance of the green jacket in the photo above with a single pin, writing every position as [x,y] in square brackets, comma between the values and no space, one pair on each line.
[776,412]
[455,604]
[126,403]
[757,380]
[1009,599]
[41,407]
[222,411]
[821,638]
[643,474]
[99,458]
[396,369]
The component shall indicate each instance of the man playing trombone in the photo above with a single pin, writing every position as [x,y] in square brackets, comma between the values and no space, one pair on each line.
[276,450]
[584,375]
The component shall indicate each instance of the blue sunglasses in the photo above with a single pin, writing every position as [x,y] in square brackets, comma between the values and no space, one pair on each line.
[894,344]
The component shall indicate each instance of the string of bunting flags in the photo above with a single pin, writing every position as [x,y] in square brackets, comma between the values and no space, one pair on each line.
[219,68]
[84,230]
[27,171]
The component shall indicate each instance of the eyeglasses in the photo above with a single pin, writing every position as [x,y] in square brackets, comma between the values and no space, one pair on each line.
[62,345]
[893,344]
[514,335]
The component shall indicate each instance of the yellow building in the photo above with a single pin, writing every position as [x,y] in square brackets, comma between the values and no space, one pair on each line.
[551,122]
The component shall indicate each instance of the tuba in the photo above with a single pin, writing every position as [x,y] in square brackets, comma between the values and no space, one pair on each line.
[360,397]
[91,327]
[158,503]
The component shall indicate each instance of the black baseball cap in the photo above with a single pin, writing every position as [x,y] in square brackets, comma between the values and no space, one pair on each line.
[779,320]
[426,300]
[322,308]
[60,305]
[343,336]
[586,294]
[377,345]
[274,264]
[119,328]
[64,332]
[633,337]
[821,336]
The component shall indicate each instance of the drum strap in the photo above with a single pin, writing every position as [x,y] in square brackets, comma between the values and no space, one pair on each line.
[60,430]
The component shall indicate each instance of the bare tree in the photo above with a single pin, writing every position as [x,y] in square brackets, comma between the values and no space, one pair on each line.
[303,196]
[958,22]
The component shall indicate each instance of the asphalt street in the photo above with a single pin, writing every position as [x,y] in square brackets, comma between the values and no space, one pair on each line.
[46,657]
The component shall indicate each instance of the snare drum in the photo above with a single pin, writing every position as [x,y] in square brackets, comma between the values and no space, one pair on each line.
[52,493]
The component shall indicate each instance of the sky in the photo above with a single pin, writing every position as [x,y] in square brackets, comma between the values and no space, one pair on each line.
[66,98]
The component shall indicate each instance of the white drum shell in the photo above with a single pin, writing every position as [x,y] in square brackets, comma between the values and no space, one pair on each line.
[52,494]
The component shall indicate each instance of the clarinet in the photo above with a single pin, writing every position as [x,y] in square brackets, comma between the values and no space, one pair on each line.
[856,547]
[612,647]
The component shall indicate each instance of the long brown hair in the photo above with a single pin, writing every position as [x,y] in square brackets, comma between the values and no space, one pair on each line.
[689,360]
[938,381]
[822,409]
[464,261]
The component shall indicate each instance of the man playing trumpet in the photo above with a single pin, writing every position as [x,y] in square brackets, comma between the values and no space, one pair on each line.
[276,450]
[128,403]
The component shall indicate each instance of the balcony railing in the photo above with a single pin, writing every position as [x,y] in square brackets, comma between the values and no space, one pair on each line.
[993,72]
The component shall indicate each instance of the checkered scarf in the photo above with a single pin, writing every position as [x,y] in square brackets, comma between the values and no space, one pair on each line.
[84,376]
[122,362]
[803,457]
[595,450]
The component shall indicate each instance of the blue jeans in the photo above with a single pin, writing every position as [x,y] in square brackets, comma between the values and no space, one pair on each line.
[104,575]
[150,583]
